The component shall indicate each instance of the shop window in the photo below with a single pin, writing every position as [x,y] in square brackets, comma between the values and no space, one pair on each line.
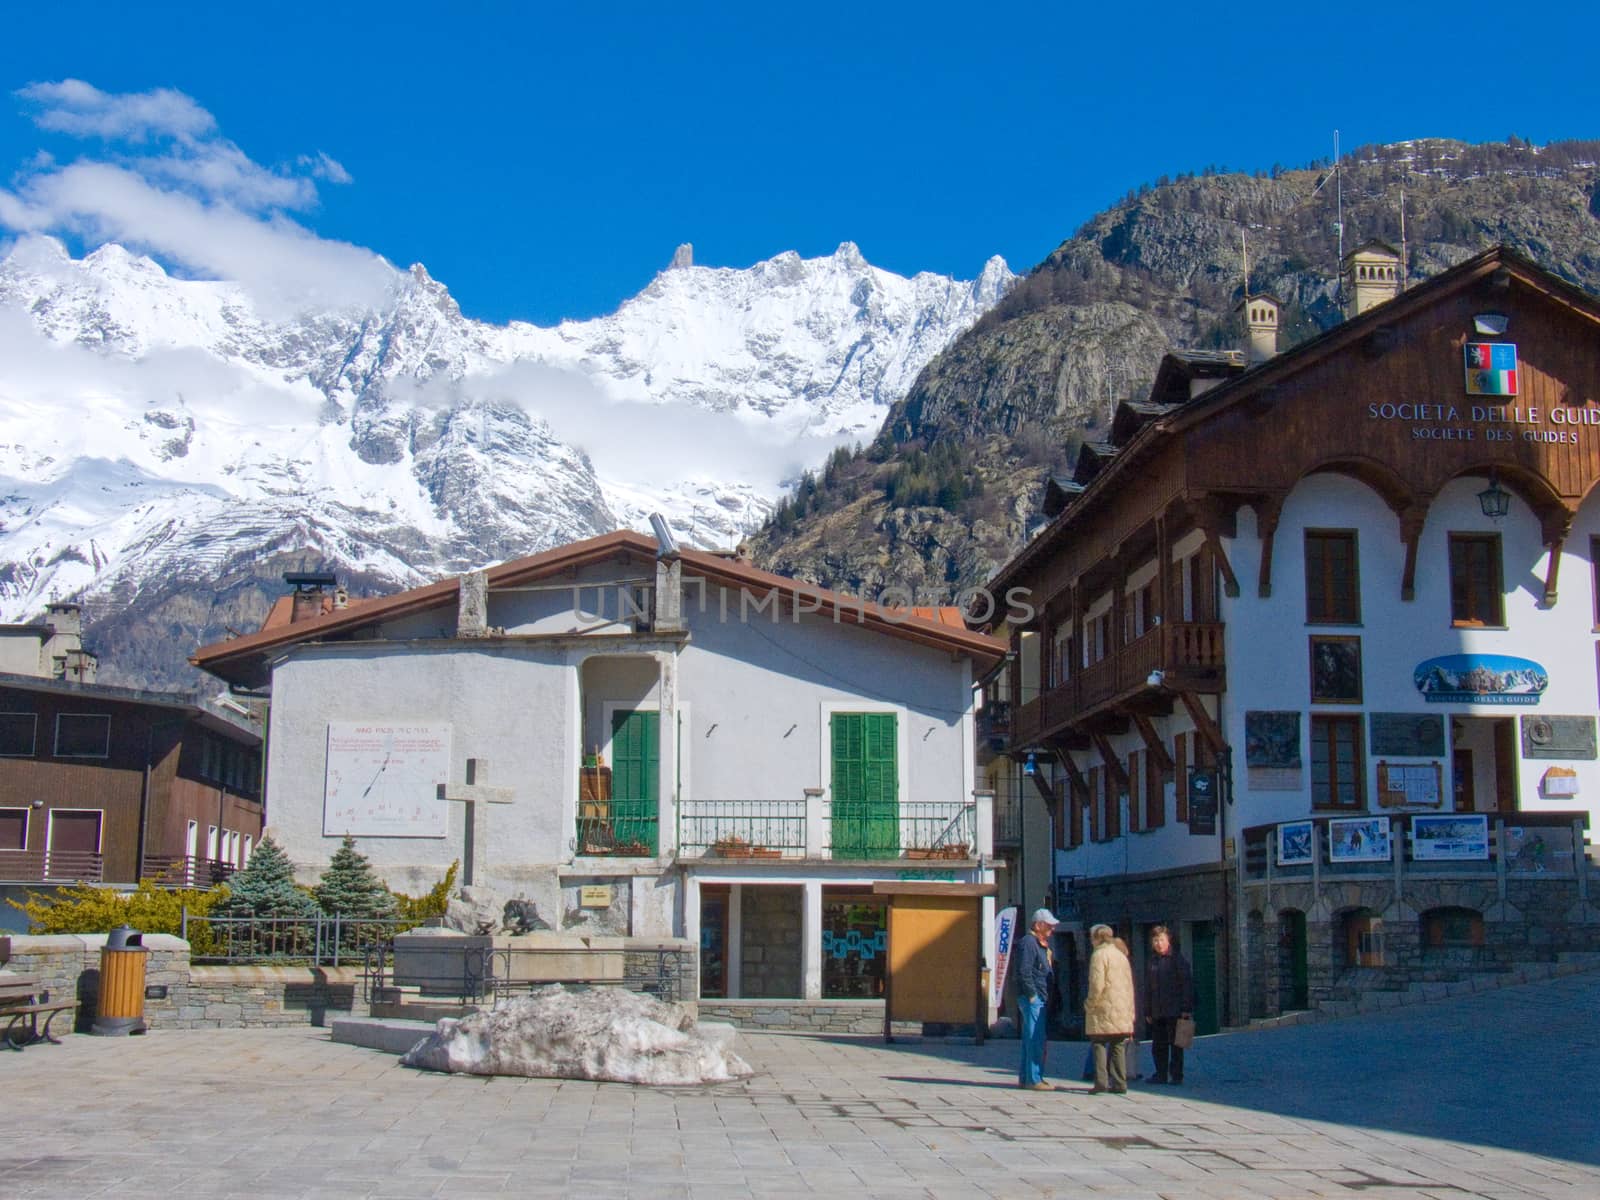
[714,908]
[855,945]
[83,735]
[13,829]
[1476,596]
[1337,770]
[1333,591]
[17,734]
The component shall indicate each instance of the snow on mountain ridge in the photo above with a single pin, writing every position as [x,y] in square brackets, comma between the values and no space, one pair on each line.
[409,440]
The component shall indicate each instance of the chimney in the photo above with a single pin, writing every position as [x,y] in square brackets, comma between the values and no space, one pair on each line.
[1371,276]
[310,590]
[1261,323]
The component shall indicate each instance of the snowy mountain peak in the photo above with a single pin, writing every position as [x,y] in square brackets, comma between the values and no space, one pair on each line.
[159,434]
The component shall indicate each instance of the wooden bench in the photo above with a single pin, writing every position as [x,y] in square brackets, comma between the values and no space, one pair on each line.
[21,1009]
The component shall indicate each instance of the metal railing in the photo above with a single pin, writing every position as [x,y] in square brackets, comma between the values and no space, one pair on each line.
[620,828]
[318,941]
[742,828]
[916,829]
[487,973]
[185,871]
[55,866]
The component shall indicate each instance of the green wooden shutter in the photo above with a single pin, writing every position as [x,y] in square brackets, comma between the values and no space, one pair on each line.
[866,785]
[635,777]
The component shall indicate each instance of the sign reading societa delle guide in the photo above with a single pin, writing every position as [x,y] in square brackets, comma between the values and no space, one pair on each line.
[1491,371]
[383,780]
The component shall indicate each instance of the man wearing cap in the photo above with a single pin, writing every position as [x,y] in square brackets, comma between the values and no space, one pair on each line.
[1035,979]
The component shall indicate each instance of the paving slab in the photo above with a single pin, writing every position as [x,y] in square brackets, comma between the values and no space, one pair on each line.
[1415,1102]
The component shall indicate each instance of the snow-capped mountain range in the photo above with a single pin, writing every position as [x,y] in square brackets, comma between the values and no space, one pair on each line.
[168,446]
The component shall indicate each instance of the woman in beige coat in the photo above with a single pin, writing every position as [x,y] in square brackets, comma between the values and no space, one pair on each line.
[1108,1010]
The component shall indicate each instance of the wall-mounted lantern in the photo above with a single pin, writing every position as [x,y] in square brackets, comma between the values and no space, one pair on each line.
[1494,499]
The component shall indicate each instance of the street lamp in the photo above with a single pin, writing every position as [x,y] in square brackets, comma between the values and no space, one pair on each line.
[1494,499]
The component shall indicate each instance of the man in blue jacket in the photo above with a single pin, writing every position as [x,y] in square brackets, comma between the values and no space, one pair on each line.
[1036,974]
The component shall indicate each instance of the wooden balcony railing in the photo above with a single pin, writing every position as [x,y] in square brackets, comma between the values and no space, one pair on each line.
[60,866]
[185,871]
[1178,646]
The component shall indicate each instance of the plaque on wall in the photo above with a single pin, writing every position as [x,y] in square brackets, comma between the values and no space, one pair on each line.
[1204,784]
[1558,737]
[1272,739]
[1407,735]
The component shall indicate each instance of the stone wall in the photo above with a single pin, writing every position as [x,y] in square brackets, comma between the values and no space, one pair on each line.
[1526,920]
[770,943]
[805,1016]
[226,997]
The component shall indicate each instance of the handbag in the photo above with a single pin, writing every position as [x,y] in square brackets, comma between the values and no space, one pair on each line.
[1183,1033]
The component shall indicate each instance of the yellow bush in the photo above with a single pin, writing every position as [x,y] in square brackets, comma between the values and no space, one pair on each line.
[82,908]
[414,910]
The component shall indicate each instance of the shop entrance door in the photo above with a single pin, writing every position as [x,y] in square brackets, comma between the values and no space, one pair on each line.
[1203,956]
[1483,764]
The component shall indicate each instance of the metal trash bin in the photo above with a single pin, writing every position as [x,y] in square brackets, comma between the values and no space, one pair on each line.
[121,1008]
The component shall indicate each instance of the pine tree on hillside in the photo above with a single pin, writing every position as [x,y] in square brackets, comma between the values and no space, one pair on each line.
[266,887]
[348,888]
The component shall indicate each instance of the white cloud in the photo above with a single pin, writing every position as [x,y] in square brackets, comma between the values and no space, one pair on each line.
[197,202]
[649,445]
[83,110]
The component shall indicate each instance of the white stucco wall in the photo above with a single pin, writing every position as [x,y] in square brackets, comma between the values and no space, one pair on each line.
[1268,657]
[509,705]
[761,693]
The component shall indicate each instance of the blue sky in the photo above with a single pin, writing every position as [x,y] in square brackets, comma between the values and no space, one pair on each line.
[543,161]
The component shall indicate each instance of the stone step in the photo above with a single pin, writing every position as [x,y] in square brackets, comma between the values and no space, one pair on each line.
[389,1034]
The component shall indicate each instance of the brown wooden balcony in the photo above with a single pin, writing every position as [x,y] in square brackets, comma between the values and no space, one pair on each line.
[1189,655]
[59,866]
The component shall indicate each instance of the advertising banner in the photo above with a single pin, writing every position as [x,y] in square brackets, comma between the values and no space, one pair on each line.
[1005,932]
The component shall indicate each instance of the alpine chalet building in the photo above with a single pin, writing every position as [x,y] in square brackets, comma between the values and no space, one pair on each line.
[1311,672]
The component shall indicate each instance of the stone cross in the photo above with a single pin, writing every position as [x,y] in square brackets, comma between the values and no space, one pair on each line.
[472,793]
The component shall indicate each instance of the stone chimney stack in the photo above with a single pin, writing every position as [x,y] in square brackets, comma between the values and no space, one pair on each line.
[311,589]
[1261,316]
[1371,276]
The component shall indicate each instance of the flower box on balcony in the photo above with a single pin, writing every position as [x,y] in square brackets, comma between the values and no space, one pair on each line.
[954,850]
[737,847]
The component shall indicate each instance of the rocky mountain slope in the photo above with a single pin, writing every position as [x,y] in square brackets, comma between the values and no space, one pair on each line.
[946,492]
[168,447]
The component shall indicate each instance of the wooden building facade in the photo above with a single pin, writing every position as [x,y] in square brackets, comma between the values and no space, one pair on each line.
[110,785]
[1310,659]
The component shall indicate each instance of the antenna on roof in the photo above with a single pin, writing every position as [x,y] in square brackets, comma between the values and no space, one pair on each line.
[1338,223]
[1403,271]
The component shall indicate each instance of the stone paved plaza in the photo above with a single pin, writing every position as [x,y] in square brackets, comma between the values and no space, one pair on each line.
[1492,1095]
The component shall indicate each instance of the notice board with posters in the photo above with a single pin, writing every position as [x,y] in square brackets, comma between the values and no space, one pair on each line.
[935,967]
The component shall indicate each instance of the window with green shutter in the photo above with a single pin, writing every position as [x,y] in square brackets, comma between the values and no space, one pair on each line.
[635,780]
[866,785]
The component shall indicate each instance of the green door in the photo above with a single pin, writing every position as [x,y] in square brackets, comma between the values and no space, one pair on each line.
[866,786]
[1204,947]
[1294,990]
[635,780]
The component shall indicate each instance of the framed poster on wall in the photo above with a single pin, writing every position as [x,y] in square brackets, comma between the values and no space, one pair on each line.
[1295,846]
[1335,670]
[1358,839]
[1454,836]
